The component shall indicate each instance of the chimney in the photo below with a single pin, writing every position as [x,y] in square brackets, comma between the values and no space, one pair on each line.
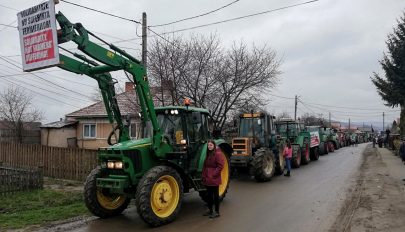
[129,86]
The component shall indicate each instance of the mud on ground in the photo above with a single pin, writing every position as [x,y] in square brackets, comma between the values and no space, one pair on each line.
[376,202]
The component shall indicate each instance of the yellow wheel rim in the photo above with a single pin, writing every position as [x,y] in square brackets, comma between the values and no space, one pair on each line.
[165,196]
[224,176]
[110,201]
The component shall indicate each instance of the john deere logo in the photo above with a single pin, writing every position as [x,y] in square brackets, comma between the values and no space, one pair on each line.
[110,54]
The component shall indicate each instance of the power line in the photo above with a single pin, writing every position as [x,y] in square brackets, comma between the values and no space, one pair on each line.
[38,93]
[62,87]
[175,45]
[193,17]
[102,12]
[7,25]
[241,17]
[10,8]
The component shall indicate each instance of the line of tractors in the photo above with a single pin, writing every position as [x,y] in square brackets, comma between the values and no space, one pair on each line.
[156,170]
[261,139]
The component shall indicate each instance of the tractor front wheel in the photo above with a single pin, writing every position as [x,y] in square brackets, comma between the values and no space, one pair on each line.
[314,154]
[296,161]
[101,202]
[280,163]
[159,195]
[263,165]
[305,155]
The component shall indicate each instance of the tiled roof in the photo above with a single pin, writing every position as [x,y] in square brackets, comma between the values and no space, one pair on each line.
[126,102]
[59,124]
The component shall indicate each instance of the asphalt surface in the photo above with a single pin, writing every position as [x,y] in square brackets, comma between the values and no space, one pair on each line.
[309,200]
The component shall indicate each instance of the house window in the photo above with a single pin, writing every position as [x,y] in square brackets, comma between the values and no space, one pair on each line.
[89,131]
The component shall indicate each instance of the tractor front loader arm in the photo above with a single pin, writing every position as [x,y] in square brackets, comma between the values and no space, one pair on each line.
[112,60]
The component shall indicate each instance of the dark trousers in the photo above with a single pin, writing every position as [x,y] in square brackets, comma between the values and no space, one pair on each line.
[213,197]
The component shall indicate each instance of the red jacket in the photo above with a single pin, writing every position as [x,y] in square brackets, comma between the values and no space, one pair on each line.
[287,153]
[213,165]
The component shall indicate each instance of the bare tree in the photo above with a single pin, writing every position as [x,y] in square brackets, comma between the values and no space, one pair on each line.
[283,115]
[224,81]
[312,120]
[16,110]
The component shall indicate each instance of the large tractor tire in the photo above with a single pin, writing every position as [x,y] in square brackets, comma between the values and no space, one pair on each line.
[327,148]
[322,150]
[296,161]
[101,202]
[314,153]
[331,147]
[225,178]
[159,195]
[305,155]
[263,165]
[280,163]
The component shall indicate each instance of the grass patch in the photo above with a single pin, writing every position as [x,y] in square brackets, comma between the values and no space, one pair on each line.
[38,207]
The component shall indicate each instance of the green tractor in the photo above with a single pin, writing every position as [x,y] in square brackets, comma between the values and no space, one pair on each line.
[305,142]
[257,148]
[329,141]
[159,168]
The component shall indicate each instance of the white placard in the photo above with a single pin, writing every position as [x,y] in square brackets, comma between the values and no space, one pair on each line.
[38,40]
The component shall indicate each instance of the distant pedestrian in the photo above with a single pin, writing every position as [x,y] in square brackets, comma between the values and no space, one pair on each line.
[374,142]
[287,154]
[211,177]
[402,150]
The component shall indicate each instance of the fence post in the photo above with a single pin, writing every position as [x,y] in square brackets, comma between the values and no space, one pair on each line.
[41,176]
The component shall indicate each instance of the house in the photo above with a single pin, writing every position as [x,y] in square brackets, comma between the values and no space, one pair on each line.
[90,128]
[59,134]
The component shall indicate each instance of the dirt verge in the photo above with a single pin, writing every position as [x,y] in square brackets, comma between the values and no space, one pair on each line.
[376,202]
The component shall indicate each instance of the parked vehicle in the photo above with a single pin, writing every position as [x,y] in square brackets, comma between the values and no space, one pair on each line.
[155,170]
[257,148]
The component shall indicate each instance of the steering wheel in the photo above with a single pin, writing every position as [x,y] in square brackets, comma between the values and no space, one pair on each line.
[167,139]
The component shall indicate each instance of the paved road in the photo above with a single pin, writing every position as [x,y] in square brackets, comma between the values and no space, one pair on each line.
[310,200]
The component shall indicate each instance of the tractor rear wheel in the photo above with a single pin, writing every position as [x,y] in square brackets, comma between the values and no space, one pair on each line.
[314,154]
[225,177]
[263,165]
[305,155]
[159,195]
[101,202]
[296,161]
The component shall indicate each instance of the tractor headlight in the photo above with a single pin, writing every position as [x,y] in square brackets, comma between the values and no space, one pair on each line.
[118,165]
[110,164]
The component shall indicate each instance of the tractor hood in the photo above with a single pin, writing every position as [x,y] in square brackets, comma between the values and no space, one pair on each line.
[131,144]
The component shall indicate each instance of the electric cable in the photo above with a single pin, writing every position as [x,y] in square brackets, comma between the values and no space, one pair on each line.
[238,18]
[197,16]
[102,12]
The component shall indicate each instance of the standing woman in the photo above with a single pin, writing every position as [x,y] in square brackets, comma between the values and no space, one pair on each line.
[211,177]
[287,153]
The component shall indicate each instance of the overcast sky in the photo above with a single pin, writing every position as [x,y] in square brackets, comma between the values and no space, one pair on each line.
[329,48]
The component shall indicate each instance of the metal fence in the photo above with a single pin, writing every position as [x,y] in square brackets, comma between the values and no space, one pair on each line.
[20,179]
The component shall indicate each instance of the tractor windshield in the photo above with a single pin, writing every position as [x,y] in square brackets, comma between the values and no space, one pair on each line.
[250,127]
[171,127]
[287,129]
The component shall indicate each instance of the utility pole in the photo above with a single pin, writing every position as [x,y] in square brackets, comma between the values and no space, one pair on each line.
[383,121]
[330,121]
[144,40]
[295,112]
[349,124]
